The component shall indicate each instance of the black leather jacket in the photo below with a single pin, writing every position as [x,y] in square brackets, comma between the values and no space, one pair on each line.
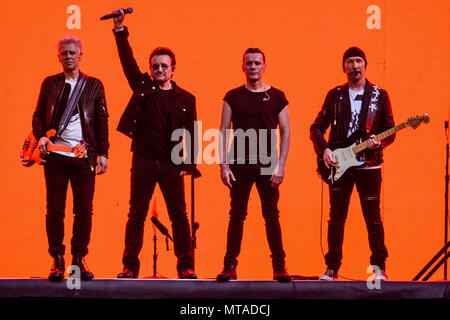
[182,104]
[336,112]
[94,115]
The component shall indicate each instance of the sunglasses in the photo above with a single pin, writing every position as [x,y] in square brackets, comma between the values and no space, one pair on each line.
[163,66]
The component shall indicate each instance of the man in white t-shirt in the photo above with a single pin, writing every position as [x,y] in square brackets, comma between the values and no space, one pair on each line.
[347,109]
[86,122]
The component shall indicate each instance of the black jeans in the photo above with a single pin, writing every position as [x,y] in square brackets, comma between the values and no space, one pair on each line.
[59,171]
[246,176]
[368,185]
[145,173]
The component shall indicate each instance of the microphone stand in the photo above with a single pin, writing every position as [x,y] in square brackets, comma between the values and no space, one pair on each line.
[446,198]
[194,226]
[155,255]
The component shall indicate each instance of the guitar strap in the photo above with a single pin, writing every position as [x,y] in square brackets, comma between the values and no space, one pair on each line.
[373,106]
[71,104]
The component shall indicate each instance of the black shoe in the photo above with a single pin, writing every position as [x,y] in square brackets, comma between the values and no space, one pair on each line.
[85,274]
[187,274]
[228,273]
[57,271]
[128,274]
[280,273]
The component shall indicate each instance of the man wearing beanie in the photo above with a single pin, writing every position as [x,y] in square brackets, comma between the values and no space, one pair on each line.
[356,106]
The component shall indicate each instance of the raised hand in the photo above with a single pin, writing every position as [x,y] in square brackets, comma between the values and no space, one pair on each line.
[118,19]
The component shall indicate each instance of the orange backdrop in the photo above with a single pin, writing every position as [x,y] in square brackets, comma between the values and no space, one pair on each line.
[407,47]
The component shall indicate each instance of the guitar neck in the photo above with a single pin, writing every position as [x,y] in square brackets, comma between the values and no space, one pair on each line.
[58,147]
[364,145]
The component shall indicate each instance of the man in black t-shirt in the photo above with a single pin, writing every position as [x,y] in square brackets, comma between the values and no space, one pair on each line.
[157,108]
[255,109]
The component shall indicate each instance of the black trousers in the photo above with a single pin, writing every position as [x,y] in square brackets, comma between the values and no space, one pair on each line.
[246,176]
[59,170]
[145,173]
[368,185]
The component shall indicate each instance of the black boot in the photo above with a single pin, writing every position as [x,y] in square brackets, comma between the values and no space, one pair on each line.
[57,271]
[228,273]
[84,273]
[187,274]
[280,273]
[128,274]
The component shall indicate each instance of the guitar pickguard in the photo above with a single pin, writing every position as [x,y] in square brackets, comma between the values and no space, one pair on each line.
[345,159]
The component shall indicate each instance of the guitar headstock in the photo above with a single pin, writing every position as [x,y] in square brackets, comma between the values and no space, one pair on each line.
[414,122]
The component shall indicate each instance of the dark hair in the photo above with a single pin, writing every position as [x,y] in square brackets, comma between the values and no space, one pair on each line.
[160,51]
[254,50]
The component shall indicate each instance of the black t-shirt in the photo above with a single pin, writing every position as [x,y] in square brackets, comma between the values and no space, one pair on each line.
[252,111]
[153,138]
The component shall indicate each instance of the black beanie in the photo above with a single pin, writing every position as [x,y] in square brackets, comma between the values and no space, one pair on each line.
[353,52]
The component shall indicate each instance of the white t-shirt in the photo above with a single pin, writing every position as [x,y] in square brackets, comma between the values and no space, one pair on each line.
[356,103]
[72,135]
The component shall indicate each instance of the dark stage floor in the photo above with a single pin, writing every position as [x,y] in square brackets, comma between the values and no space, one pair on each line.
[186,299]
[211,289]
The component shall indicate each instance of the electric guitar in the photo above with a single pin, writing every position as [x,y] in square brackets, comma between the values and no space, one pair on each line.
[30,154]
[346,152]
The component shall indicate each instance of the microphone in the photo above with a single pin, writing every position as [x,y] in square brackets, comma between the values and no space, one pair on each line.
[161,228]
[112,15]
